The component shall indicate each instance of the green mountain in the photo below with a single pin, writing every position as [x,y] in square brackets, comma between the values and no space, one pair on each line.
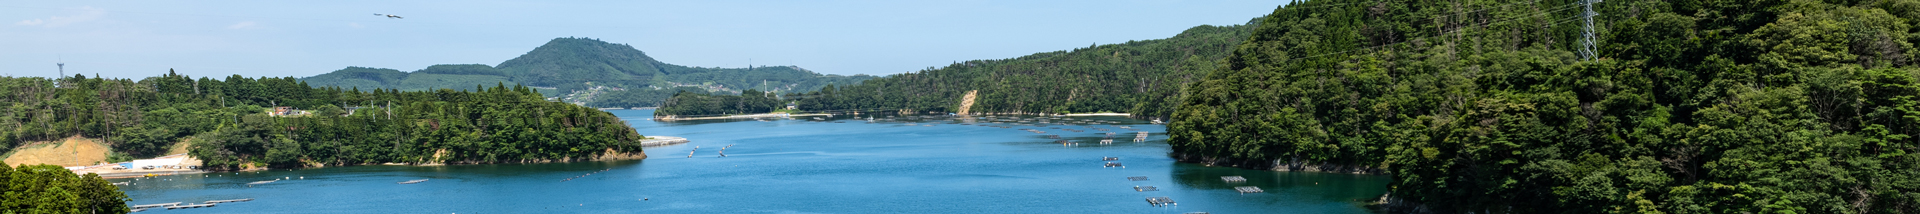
[588,71]
[1140,77]
[1763,106]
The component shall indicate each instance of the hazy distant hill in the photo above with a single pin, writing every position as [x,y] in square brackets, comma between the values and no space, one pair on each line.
[437,76]
[589,70]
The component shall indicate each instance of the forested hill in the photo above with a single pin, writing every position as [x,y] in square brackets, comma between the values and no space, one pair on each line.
[599,73]
[232,122]
[1140,77]
[1766,106]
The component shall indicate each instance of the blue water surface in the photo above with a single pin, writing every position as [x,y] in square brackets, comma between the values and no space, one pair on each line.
[833,165]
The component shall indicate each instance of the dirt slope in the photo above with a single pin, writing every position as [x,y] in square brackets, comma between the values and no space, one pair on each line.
[73,151]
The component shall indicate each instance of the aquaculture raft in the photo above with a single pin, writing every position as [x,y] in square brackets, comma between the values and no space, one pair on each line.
[1248,189]
[189,206]
[144,206]
[1161,201]
[229,201]
[1233,179]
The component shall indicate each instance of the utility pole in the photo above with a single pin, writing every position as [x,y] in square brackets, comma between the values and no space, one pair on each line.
[1586,33]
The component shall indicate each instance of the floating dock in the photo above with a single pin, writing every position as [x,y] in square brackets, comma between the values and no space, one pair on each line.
[1145,188]
[144,206]
[1248,189]
[1161,201]
[1137,178]
[189,206]
[1233,179]
[229,201]
[413,181]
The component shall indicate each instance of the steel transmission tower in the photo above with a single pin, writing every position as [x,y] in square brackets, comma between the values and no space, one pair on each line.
[1586,33]
[63,73]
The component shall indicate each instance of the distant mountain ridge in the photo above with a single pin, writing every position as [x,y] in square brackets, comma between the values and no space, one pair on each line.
[584,67]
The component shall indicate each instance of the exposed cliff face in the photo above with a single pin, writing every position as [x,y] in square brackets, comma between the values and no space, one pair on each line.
[611,155]
[1389,203]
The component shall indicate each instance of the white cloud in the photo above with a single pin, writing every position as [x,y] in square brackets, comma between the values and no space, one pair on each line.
[355,25]
[245,24]
[86,14]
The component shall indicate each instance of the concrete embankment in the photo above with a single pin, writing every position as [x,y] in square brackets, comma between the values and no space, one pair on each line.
[1099,114]
[143,173]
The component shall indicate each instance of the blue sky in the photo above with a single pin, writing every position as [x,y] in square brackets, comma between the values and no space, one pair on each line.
[133,39]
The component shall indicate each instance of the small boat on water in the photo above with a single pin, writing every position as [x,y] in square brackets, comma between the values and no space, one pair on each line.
[262,182]
[413,181]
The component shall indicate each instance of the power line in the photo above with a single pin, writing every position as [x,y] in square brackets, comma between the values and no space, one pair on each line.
[1586,33]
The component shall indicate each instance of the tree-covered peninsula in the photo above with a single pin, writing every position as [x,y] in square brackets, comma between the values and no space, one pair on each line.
[1140,77]
[1688,106]
[244,122]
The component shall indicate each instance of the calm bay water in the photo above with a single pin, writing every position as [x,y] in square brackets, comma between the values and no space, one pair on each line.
[797,166]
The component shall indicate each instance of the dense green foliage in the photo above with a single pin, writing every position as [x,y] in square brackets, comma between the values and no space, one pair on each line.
[1770,106]
[751,101]
[1142,77]
[639,98]
[51,189]
[578,64]
[230,127]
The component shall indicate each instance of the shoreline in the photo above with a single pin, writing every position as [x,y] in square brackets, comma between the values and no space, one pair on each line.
[1098,114]
[115,175]
[744,116]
